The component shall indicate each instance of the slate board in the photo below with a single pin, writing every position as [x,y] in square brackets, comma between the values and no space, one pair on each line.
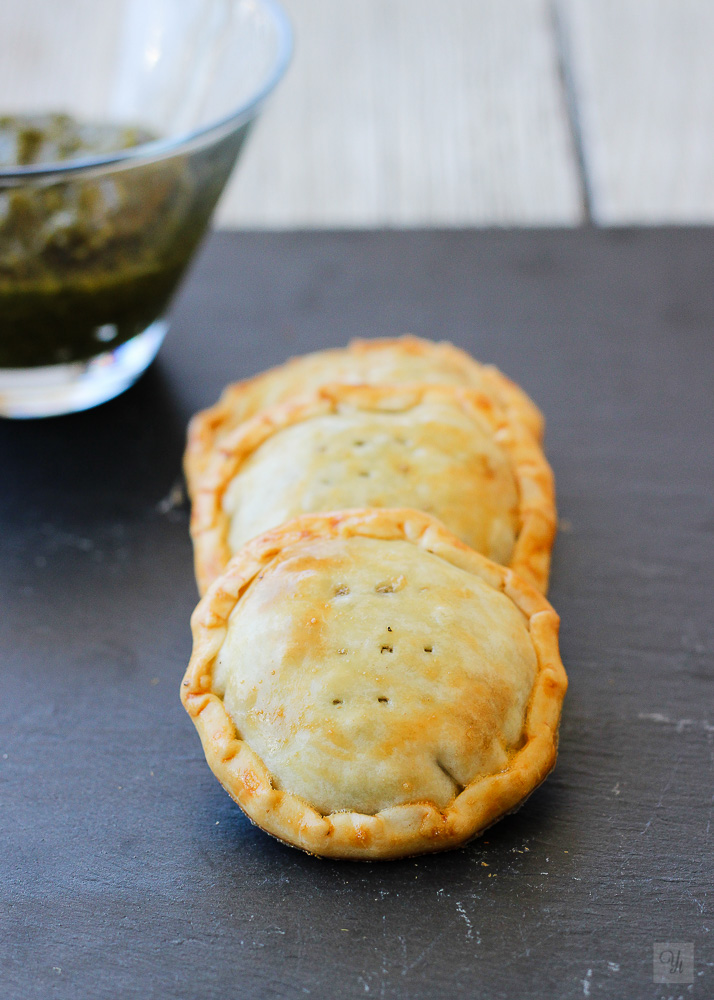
[127,872]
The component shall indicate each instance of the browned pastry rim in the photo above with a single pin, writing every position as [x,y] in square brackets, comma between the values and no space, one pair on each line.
[242,400]
[401,830]
[533,476]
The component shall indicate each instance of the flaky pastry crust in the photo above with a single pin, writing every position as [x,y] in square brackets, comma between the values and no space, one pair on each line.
[404,829]
[395,360]
[535,515]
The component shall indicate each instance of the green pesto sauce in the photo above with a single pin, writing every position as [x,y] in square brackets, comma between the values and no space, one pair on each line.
[94,258]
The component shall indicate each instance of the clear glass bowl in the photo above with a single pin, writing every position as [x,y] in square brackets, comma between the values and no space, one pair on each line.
[93,247]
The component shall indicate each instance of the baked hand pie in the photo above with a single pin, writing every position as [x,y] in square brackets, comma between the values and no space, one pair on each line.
[366,686]
[443,449]
[398,360]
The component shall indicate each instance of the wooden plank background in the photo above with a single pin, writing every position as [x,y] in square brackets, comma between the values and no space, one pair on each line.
[461,112]
[643,76]
[407,112]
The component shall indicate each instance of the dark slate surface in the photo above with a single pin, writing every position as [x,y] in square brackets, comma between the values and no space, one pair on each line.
[128,873]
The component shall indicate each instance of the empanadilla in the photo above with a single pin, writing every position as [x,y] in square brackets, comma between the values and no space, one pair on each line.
[446,450]
[366,686]
[397,360]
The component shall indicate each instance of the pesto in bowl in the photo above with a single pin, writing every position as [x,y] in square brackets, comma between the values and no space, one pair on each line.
[90,261]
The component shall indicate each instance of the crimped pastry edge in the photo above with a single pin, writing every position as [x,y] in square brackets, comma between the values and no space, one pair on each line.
[402,830]
[242,400]
[534,478]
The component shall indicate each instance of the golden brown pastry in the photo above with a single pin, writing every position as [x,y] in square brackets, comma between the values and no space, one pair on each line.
[366,686]
[443,449]
[397,360]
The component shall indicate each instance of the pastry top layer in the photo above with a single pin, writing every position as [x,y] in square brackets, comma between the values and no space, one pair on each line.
[446,450]
[388,361]
[368,673]
[367,686]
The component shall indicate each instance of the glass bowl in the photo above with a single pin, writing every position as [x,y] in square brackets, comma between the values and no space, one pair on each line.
[93,245]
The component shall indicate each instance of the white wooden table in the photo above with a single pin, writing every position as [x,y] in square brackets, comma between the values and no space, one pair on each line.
[483,112]
[487,112]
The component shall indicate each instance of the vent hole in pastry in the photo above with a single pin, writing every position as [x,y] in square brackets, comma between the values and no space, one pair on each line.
[428,649]
[337,701]
[390,586]
[387,649]
[384,701]
[342,590]
[389,628]
[360,444]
